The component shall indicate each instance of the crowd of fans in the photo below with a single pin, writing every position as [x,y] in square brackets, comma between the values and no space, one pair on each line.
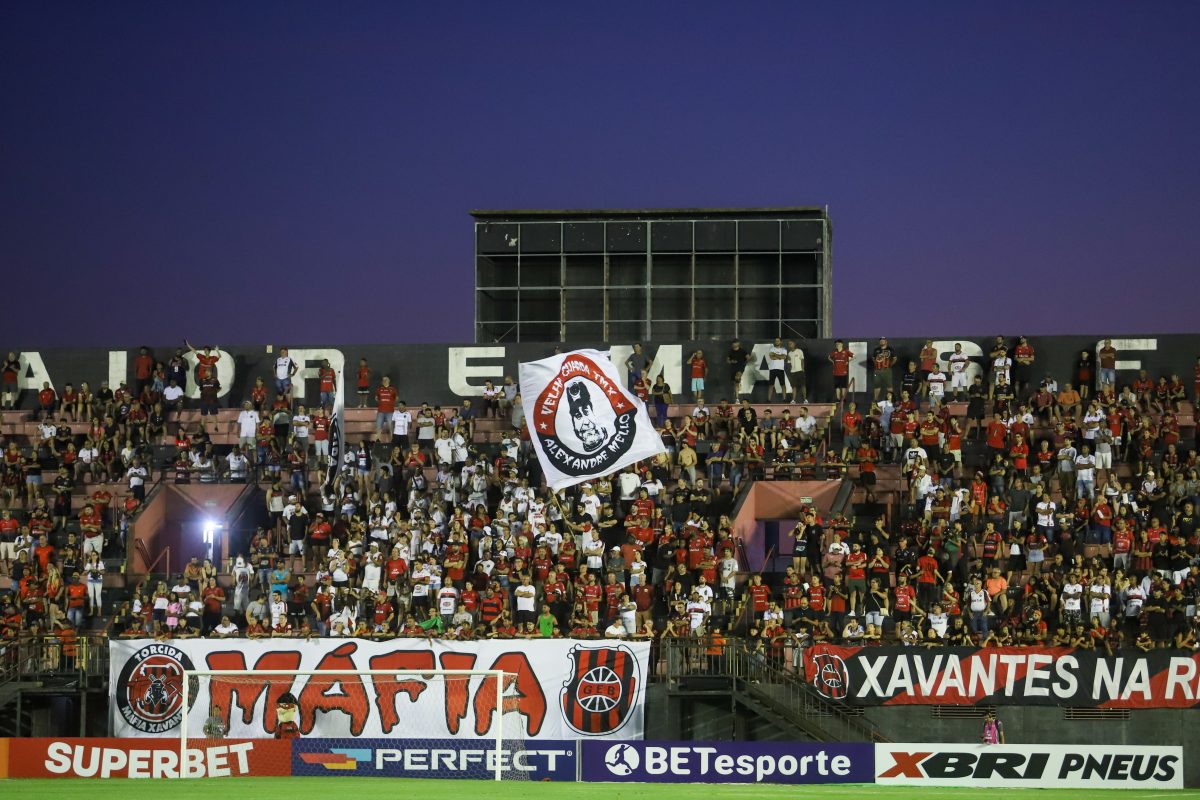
[1058,510]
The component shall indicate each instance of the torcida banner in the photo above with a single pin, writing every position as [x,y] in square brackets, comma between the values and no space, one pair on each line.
[563,689]
[1055,676]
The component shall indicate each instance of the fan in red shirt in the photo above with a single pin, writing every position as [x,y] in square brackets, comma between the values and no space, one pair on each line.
[856,576]
[867,456]
[816,597]
[840,358]
[904,597]
[90,527]
[592,592]
[997,434]
[930,432]
[385,403]
[542,562]
[143,369]
[327,377]
[490,607]
[101,498]
[644,506]
[320,434]
[318,537]
[258,394]
[696,546]
[851,430]
[470,597]
[1019,453]
[927,578]
[699,370]
[613,590]
[383,610]
[47,398]
[206,361]
[760,596]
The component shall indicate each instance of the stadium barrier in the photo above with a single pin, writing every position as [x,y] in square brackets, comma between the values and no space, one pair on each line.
[538,760]
[565,688]
[1058,676]
[914,764]
[1033,766]
[727,762]
[144,758]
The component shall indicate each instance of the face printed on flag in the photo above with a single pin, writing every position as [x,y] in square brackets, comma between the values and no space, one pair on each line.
[583,423]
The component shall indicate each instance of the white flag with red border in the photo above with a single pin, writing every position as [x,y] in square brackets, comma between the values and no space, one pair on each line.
[582,421]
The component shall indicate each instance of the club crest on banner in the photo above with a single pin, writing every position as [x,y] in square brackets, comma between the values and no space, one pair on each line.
[831,678]
[599,695]
[149,690]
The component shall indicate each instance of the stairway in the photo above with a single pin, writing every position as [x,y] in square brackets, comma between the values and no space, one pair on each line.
[782,697]
[12,723]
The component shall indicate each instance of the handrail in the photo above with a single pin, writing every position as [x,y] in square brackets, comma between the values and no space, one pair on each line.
[804,701]
[144,552]
[768,683]
[10,662]
[31,656]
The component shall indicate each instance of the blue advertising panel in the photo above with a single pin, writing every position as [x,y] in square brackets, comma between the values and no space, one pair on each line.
[542,760]
[728,762]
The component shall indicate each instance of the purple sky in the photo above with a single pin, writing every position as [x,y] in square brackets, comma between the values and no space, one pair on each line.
[235,171]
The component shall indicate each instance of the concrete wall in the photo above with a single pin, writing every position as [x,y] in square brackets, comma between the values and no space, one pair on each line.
[447,373]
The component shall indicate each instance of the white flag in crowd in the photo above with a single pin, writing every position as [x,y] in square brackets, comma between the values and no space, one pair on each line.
[582,420]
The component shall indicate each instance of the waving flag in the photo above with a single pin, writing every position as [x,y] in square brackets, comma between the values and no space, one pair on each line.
[582,421]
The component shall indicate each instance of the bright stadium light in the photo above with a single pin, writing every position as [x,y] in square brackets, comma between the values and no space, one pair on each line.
[210,536]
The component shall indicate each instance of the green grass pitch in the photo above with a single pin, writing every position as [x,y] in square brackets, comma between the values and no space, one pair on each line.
[391,788]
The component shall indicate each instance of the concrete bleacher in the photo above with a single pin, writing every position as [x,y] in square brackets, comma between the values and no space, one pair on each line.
[890,488]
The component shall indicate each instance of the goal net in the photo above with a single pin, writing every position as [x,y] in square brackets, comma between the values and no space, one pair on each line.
[443,723]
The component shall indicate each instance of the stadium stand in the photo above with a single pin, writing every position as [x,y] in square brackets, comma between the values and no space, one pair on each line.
[1058,510]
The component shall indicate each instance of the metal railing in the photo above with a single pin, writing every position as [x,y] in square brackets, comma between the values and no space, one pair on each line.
[772,681]
[31,657]
[10,662]
[777,681]
[150,563]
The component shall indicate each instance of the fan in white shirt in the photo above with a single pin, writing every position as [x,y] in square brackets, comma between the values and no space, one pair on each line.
[552,539]
[616,630]
[247,422]
[225,628]
[447,600]
[401,421]
[697,611]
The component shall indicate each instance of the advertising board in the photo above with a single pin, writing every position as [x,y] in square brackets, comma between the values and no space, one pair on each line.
[727,762]
[1083,766]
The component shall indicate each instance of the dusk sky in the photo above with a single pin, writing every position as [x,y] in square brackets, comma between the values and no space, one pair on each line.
[251,172]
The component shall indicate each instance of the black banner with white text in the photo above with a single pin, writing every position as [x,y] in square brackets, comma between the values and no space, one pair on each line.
[1055,676]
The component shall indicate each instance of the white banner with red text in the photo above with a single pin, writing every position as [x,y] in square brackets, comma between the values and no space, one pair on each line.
[560,689]
[1035,766]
